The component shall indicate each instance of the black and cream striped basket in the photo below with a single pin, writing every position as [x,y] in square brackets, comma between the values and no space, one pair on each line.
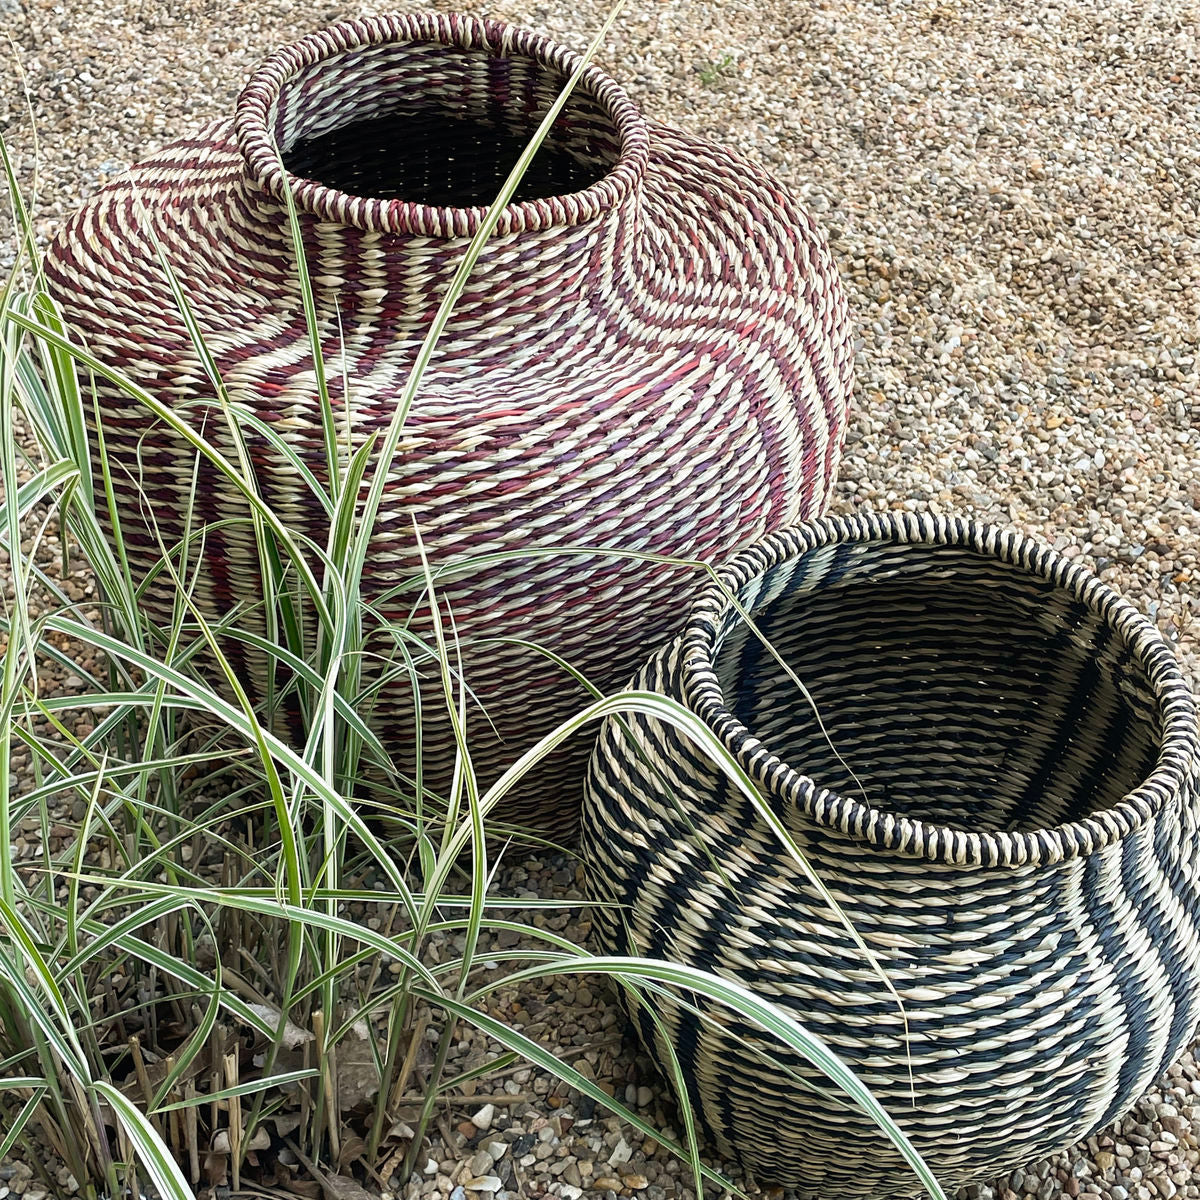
[1001,794]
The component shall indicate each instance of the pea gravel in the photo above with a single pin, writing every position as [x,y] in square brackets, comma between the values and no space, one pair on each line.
[1011,190]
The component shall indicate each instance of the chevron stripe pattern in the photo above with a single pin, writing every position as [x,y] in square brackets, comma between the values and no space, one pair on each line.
[1000,792]
[653,359]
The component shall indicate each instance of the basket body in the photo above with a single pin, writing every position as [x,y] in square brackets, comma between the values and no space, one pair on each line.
[1024,865]
[652,355]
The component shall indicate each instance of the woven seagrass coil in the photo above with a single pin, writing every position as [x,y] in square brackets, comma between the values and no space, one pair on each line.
[1004,802]
[652,357]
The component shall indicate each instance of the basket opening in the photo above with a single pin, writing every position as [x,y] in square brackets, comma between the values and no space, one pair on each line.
[439,125]
[959,690]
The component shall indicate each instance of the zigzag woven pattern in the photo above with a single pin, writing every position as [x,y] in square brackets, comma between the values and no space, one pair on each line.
[654,358]
[1006,807]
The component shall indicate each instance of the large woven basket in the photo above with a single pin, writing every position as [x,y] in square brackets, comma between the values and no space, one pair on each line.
[1005,806]
[652,354]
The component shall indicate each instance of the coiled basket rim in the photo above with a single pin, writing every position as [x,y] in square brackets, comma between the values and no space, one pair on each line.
[255,137]
[898,833]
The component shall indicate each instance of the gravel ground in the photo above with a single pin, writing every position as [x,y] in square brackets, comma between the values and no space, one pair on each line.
[1012,192]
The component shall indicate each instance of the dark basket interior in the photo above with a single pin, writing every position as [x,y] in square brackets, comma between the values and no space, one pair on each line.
[959,690]
[439,125]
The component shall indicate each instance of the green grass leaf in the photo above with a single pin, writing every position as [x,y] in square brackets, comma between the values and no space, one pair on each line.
[152,1150]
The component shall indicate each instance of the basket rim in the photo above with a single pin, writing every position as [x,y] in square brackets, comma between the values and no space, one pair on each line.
[255,140]
[1178,762]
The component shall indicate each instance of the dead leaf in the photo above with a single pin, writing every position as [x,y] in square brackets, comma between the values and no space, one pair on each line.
[353,1148]
[393,1162]
[216,1169]
[260,1141]
[309,1188]
[333,1187]
[357,1071]
[293,1035]
[285,1123]
[339,1187]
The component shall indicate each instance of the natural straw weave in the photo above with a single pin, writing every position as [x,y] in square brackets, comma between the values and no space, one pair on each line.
[652,354]
[1024,864]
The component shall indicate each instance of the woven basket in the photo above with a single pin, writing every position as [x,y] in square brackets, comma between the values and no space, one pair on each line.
[652,354]
[1005,808]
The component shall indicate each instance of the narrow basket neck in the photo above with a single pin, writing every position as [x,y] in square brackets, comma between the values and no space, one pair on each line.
[408,126]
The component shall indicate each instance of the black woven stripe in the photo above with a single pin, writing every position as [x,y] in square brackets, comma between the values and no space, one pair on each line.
[1179,956]
[1115,740]
[1136,999]
[1081,694]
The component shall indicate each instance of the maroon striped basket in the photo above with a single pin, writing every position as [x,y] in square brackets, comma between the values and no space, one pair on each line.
[652,355]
